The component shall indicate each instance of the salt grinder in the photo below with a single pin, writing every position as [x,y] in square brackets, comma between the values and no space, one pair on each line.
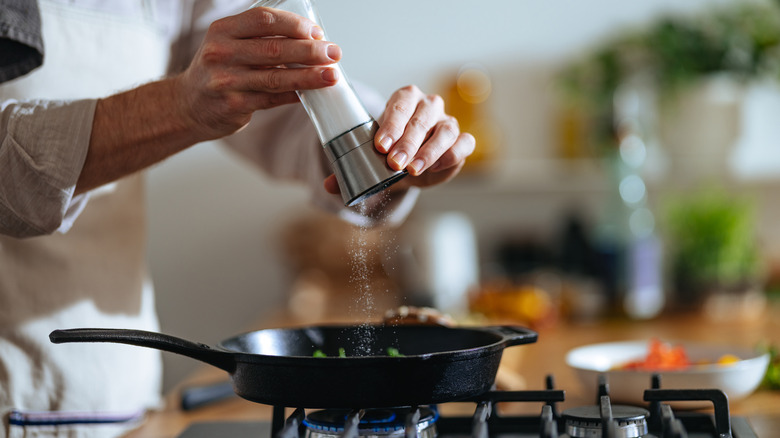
[345,129]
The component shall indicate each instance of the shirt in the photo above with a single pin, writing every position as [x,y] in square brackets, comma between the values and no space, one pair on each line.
[78,261]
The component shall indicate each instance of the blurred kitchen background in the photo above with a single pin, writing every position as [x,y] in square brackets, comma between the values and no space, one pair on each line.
[627,165]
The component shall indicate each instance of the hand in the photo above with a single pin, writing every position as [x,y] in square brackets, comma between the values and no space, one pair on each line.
[240,68]
[417,135]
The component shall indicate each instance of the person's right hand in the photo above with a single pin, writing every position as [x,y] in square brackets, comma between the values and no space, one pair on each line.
[240,68]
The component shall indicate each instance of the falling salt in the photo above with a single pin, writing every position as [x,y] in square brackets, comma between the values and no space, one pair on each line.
[362,272]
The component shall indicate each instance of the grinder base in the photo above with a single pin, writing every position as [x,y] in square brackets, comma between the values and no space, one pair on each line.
[360,169]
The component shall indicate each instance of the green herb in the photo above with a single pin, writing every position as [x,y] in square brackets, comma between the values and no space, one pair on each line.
[393,352]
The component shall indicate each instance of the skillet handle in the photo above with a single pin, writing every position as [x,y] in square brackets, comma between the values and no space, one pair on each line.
[141,338]
[515,335]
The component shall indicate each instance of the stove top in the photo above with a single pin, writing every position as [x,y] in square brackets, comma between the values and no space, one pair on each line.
[603,419]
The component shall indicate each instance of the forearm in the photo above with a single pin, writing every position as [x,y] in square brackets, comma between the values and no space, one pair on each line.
[234,73]
[134,130]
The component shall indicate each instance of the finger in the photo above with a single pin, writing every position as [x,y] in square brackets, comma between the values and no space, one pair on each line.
[277,80]
[262,22]
[331,185]
[443,137]
[448,165]
[269,100]
[420,126]
[260,52]
[456,155]
[400,108]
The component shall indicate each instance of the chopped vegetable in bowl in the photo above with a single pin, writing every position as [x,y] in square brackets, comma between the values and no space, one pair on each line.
[664,356]
[630,365]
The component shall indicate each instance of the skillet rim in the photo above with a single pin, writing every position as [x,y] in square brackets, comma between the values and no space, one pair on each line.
[500,342]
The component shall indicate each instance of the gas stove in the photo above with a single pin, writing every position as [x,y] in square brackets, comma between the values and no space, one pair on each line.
[603,419]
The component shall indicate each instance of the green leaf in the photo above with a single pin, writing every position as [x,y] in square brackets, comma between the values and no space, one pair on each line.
[393,352]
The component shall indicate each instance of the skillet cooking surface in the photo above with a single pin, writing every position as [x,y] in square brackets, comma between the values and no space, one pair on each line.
[360,341]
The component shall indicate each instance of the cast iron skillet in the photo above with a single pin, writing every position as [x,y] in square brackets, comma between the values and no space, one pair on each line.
[276,366]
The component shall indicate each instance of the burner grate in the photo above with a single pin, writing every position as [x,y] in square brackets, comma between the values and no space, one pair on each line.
[602,420]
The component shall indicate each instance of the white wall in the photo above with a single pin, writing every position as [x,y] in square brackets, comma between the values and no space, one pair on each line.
[388,44]
[212,247]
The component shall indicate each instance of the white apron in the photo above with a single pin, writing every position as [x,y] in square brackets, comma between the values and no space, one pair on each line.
[94,275]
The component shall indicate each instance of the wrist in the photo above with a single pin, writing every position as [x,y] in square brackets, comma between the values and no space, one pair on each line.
[184,115]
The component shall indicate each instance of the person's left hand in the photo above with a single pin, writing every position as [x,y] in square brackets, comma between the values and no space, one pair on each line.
[417,135]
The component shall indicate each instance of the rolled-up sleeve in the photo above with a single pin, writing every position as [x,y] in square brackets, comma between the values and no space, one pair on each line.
[43,145]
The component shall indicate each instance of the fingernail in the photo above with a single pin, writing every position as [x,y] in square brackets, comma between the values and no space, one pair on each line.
[417,166]
[330,75]
[317,33]
[400,159]
[334,52]
[384,143]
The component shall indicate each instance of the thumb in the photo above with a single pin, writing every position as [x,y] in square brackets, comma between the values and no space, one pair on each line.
[332,185]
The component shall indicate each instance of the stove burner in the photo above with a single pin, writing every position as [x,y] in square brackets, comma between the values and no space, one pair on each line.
[375,423]
[585,421]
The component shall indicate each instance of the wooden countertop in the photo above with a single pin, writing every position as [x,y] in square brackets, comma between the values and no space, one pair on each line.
[532,363]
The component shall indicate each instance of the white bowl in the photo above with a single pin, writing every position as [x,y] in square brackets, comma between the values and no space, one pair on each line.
[737,380]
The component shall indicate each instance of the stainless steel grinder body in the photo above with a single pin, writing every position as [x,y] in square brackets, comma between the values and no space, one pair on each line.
[360,169]
[345,129]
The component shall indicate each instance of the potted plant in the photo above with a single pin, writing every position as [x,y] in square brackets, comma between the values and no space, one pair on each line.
[714,257]
[678,57]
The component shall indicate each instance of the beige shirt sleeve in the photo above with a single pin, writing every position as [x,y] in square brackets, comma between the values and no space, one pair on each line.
[43,145]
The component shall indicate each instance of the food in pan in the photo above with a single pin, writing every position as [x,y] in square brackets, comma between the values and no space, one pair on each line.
[320,353]
[391,351]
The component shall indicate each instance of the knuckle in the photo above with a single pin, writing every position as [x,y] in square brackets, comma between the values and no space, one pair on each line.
[413,89]
[400,107]
[265,17]
[235,103]
[271,80]
[221,82]
[273,48]
[213,53]
[408,90]
[418,122]
[435,100]
[449,127]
